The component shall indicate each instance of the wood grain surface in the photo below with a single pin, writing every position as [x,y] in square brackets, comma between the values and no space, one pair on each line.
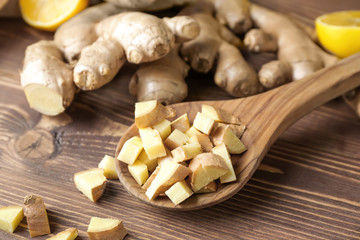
[308,186]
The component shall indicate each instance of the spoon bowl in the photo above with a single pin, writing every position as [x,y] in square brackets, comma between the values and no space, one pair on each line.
[266,117]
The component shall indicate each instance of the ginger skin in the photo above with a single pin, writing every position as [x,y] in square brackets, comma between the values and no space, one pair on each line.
[233,74]
[294,45]
[148,5]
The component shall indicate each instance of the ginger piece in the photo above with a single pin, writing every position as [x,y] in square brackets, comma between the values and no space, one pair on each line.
[222,151]
[233,73]
[235,14]
[151,178]
[149,5]
[275,73]
[169,173]
[205,168]
[151,112]
[192,132]
[256,40]
[68,234]
[163,128]
[211,187]
[227,136]
[139,171]
[186,152]
[36,216]
[168,157]
[109,165]
[150,163]
[91,183]
[131,150]
[203,123]
[106,228]
[153,144]
[78,32]
[219,115]
[176,139]
[203,140]
[294,45]
[179,192]
[10,218]
[181,123]
[237,129]
[47,80]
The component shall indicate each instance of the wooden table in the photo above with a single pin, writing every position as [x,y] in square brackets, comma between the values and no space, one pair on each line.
[308,186]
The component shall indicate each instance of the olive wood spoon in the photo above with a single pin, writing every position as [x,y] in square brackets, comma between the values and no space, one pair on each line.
[266,116]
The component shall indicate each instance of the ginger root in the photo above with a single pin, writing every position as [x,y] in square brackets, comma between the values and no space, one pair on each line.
[149,5]
[295,47]
[47,80]
[233,74]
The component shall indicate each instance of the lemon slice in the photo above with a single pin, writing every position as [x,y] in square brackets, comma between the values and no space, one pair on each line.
[339,32]
[50,14]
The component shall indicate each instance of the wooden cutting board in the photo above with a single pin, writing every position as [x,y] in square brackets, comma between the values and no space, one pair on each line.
[308,186]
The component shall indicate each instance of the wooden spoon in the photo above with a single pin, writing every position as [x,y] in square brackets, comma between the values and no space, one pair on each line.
[266,116]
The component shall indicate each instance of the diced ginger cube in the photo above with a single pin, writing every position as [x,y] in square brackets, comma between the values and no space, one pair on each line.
[168,157]
[222,151]
[91,183]
[131,150]
[237,129]
[152,142]
[68,234]
[205,168]
[181,123]
[192,132]
[227,136]
[150,163]
[109,165]
[151,112]
[169,173]
[179,192]
[219,115]
[36,216]
[139,171]
[203,140]
[151,178]
[164,128]
[186,152]
[203,123]
[211,187]
[176,139]
[106,228]
[10,218]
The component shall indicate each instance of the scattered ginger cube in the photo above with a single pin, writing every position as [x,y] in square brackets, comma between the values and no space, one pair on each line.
[192,132]
[152,112]
[68,234]
[181,123]
[176,139]
[139,171]
[169,173]
[152,142]
[203,123]
[109,165]
[223,134]
[131,150]
[222,151]
[186,152]
[164,128]
[179,192]
[203,140]
[106,228]
[36,216]
[10,218]
[219,115]
[91,183]
[150,163]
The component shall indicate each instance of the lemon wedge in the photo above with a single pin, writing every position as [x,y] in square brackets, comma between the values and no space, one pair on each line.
[339,32]
[50,14]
